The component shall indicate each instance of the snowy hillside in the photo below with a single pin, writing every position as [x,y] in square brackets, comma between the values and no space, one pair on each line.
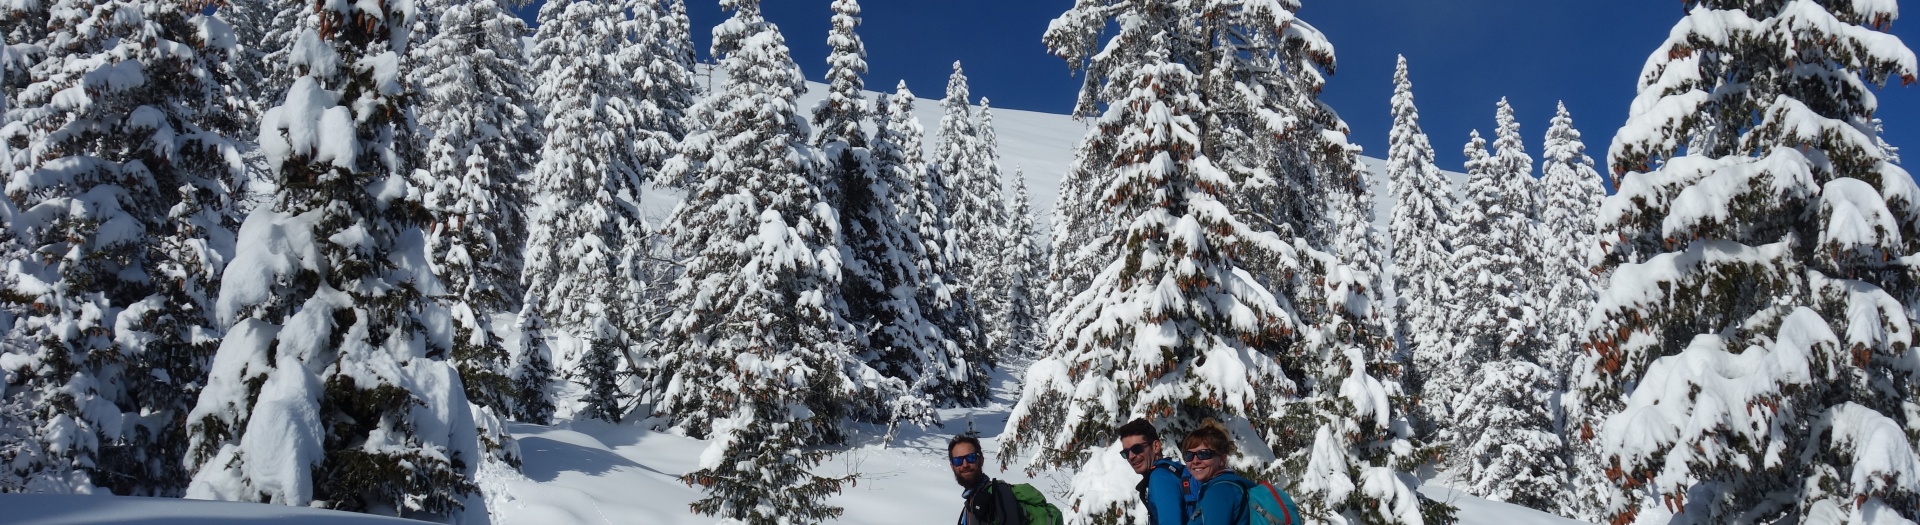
[595,473]
[592,472]
[1038,144]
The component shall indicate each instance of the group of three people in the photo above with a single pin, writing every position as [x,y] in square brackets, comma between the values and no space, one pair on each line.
[1203,491]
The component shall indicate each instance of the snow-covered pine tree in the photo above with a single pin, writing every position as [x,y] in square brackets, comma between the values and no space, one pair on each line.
[1081,237]
[1026,316]
[24,26]
[1751,358]
[1304,181]
[1513,453]
[1570,195]
[992,278]
[969,214]
[533,372]
[586,190]
[123,224]
[1153,333]
[755,353]
[1504,433]
[1084,236]
[871,184]
[1511,164]
[921,353]
[1483,308]
[676,42]
[1422,249]
[1170,328]
[872,266]
[264,32]
[660,86]
[1513,167]
[1498,419]
[837,118]
[1262,71]
[966,166]
[480,141]
[326,389]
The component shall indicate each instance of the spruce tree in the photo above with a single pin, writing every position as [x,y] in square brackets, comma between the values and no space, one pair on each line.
[1174,312]
[1485,308]
[326,390]
[885,327]
[991,276]
[481,140]
[1750,357]
[837,118]
[1513,167]
[1505,439]
[755,351]
[124,195]
[969,210]
[1570,196]
[1513,453]
[1020,255]
[586,190]
[264,33]
[1504,434]
[1422,250]
[1082,236]
[922,352]
[1256,71]
[533,372]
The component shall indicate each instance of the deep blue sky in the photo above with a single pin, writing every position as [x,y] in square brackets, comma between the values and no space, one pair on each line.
[1464,55]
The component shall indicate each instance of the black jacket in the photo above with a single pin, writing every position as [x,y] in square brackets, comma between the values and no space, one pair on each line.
[992,503]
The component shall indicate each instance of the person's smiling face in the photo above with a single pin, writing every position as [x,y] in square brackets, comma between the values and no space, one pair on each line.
[1139,452]
[965,460]
[1204,463]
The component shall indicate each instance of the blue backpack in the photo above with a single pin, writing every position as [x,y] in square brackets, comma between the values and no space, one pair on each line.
[1268,505]
[1189,488]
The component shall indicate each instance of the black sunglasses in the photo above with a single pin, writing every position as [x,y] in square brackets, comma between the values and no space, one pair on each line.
[969,458]
[1203,454]
[1135,450]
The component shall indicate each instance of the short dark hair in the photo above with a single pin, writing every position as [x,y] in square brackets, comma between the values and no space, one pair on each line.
[1138,427]
[968,438]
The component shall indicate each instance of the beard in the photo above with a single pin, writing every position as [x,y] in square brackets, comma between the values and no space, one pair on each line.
[969,479]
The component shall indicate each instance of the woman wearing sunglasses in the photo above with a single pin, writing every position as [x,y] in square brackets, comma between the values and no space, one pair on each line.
[1223,496]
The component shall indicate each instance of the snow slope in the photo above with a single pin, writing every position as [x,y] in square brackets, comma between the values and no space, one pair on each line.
[595,473]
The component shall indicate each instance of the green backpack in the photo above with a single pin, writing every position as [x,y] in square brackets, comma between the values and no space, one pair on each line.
[1036,507]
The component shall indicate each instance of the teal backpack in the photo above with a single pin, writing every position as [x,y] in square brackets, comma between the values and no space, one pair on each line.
[1266,504]
[1036,507]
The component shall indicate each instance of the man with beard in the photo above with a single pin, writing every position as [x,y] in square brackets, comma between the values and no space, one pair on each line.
[988,501]
[1170,493]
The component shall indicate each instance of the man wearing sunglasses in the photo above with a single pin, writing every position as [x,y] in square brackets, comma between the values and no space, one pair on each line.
[988,501]
[1169,491]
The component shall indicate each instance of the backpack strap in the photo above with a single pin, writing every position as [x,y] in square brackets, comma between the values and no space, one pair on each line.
[1286,513]
[1189,489]
[1246,491]
[1006,504]
[1188,492]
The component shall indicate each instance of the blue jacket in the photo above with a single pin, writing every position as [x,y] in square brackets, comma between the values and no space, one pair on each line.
[1223,501]
[1161,489]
